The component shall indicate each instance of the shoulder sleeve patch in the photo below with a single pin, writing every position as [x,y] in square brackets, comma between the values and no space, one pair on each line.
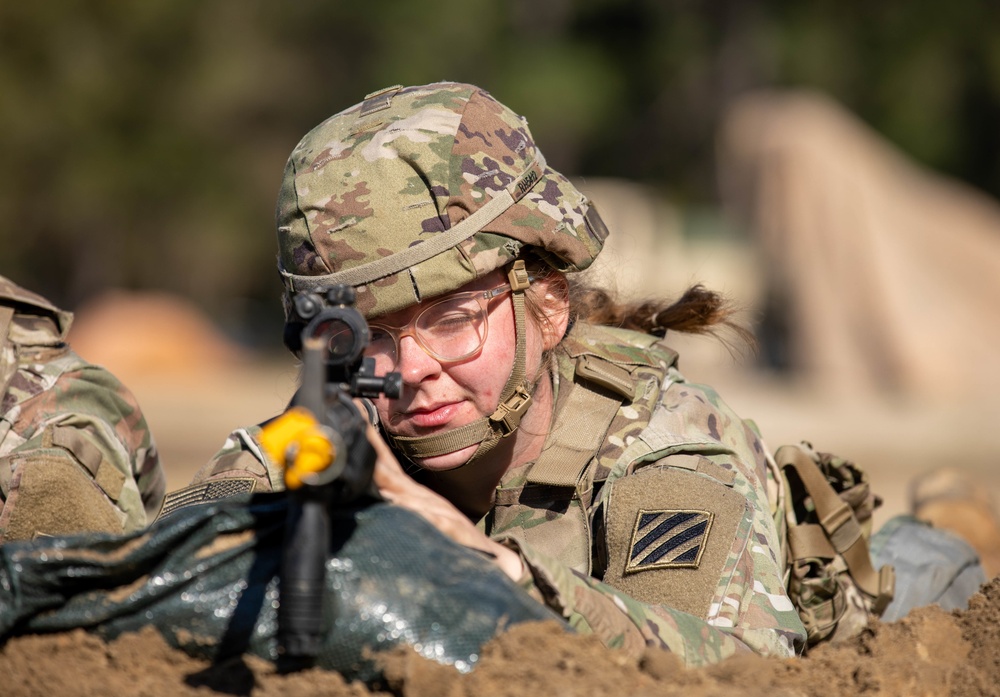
[666,539]
[670,535]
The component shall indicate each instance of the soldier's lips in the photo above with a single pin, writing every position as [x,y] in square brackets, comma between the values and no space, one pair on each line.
[433,416]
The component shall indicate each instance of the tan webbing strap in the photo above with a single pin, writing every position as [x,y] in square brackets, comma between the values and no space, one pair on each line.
[449,442]
[700,464]
[809,542]
[85,451]
[606,374]
[6,371]
[6,315]
[509,414]
[837,519]
[574,440]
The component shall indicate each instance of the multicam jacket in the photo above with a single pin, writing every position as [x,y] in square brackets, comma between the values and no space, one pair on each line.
[75,452]
[645,520]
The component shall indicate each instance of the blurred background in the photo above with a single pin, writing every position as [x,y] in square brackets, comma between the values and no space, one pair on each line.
[834,169]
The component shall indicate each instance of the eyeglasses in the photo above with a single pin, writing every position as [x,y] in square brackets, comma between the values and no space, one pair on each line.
[449,330]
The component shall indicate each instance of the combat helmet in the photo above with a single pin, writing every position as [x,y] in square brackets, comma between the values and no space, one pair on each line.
[414,193]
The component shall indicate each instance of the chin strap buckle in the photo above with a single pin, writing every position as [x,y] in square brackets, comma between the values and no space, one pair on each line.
[509,412]
[518,276]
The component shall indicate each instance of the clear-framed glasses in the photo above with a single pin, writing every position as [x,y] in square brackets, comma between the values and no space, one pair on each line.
[450,330]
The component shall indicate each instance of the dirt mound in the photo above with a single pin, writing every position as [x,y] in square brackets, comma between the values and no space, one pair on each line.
[929,653]
[142,335]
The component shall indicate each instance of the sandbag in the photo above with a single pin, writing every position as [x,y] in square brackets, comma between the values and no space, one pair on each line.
[206,576]
[933,566]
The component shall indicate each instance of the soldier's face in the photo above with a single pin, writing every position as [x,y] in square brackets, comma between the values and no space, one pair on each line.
[440,396]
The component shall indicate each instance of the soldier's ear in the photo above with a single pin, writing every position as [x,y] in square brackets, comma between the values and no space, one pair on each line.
[551,293]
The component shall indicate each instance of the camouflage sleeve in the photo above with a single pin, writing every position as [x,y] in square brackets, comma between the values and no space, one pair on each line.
[72,426]
[240,466]
[743,606]
[242,457]
[114,404]
[622,622]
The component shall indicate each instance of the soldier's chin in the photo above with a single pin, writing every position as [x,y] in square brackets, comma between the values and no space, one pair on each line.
[447,461]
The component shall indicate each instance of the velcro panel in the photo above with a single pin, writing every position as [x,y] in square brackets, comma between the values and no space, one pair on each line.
[669,535]
[53,495]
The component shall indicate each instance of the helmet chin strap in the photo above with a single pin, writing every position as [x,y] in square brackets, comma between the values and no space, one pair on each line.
[514,400]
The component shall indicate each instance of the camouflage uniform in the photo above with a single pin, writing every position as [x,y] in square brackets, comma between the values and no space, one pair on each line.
[75,452]
[645,520]
[657,532]
[671,510]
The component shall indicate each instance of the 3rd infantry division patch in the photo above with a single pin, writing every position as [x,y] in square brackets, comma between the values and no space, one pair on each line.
[668,539]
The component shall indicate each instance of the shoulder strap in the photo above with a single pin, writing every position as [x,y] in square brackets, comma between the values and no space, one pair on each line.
[841,528]
[6,315]
[22,300]
[582,422]
[6,370]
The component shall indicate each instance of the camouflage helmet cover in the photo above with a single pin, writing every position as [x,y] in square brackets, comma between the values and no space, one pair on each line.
[417,191]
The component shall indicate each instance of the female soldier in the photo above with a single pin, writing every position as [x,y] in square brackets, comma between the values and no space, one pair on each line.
[533,427]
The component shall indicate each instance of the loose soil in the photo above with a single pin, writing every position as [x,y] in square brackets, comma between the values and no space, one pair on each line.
[930,652]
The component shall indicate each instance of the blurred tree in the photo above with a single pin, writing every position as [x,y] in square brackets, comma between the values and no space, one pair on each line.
[132,135]
[141,144]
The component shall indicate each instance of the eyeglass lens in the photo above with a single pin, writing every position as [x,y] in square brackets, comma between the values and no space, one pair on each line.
[449,330]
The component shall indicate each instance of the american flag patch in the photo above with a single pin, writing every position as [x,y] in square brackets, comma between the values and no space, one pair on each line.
[668,539]
[206,491]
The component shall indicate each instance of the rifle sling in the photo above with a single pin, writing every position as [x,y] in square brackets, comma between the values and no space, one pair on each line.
[838,521]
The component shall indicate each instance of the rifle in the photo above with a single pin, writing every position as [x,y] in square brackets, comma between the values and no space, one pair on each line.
[321,443]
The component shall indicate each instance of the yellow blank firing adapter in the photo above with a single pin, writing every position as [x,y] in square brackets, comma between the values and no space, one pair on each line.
[307,450]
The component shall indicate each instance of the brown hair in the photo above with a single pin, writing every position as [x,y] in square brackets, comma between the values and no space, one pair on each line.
[697,311]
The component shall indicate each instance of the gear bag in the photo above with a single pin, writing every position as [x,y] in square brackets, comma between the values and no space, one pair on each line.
[206,576]
[823,511]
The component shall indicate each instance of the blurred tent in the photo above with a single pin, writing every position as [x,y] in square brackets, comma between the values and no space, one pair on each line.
[881,276]
[836,216]
[652,253]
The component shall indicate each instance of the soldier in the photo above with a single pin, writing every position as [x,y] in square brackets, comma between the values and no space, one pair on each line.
[533,425]
[75,452]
